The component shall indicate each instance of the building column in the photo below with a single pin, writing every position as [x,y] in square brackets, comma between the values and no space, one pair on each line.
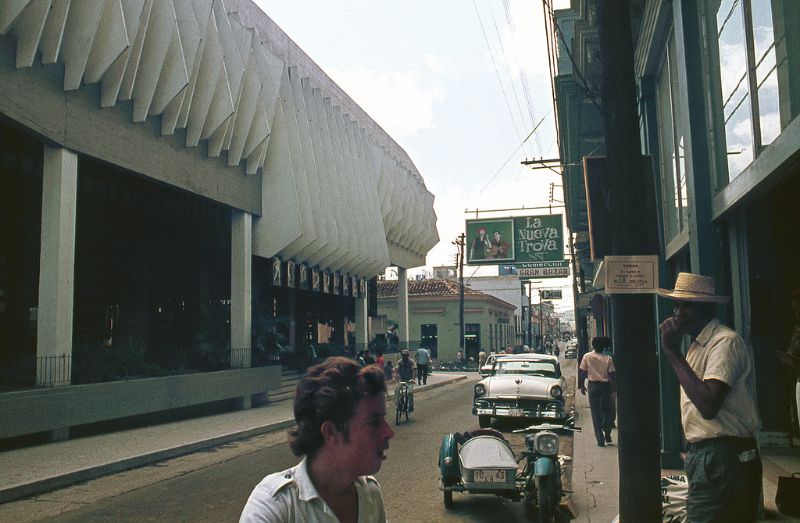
[241,287]
[56,267]
[402,306]
[362,322]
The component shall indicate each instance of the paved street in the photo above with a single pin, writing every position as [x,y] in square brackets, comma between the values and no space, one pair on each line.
[213,485]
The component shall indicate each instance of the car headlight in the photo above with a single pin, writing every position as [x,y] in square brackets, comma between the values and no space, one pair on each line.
[546,443]
[480,390]
[556,391]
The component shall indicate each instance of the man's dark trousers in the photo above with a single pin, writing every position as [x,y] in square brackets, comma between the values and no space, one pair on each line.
[601,408]
[724,480]
[422,374]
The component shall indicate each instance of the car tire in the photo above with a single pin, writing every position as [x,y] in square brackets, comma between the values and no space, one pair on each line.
[484,421]
[448,499]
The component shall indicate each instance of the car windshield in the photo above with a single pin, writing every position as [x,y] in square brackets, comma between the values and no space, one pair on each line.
[546,369]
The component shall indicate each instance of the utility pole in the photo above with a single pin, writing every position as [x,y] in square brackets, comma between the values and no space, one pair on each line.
[460,241]
[632,223]
[530,316]
[541,326]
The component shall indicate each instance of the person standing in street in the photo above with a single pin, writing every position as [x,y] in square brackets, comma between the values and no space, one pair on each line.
[342,435]
[599,369]
[718,404]
[423,361]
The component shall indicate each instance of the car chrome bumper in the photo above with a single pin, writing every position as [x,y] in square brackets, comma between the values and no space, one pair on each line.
[519,413]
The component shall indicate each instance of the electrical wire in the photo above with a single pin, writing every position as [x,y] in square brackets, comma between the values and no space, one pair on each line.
[513,153]
[497,71]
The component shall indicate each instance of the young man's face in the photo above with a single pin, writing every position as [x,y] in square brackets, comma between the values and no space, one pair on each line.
[369,436]
[497,236]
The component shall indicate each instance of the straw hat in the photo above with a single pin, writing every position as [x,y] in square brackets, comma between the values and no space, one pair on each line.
[693,287]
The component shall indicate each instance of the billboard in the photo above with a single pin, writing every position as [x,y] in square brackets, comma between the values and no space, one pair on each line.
[520,240]
[490,241]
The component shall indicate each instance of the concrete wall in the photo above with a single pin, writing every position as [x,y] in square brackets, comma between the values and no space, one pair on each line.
[39,410]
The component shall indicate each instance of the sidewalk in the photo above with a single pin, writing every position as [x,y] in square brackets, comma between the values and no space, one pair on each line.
[33,470]
[595,472]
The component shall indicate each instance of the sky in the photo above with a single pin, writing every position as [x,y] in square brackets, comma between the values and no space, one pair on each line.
[459,85]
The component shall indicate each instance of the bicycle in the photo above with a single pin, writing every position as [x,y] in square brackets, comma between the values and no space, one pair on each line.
[402,403]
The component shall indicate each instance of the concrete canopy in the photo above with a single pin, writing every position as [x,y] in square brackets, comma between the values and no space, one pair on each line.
[336,190]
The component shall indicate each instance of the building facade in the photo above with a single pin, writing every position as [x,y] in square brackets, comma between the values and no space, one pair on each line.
[434,308]
[182,190]
[718,98]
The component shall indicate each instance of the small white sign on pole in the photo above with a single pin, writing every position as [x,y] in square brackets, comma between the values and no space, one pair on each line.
[631,274]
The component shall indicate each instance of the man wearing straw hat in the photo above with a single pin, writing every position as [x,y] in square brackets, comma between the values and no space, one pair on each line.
[718,404]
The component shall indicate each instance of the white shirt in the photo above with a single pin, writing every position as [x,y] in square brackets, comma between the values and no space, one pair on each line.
[290,496]
[720,353]
[597,366]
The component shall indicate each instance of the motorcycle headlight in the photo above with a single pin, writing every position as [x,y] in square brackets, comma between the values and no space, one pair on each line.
[556,391]
[546,443]
[480,390]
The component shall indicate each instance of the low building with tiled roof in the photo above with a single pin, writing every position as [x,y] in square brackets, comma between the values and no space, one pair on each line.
[433,319]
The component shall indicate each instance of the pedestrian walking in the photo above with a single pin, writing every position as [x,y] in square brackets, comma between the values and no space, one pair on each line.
[342,436]
[718,404]
[423,362]
[600,371]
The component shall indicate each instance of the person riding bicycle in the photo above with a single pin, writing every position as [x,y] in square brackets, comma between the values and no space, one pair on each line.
[405,371]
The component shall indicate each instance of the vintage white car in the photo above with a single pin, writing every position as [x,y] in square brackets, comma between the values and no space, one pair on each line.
[524,387]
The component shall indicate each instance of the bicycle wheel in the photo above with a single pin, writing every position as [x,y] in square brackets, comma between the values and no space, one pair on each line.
[400,408]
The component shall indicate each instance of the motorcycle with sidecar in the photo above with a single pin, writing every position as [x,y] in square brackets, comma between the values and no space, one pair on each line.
[483,462]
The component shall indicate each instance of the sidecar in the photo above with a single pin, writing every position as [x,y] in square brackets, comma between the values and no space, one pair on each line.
[479,462]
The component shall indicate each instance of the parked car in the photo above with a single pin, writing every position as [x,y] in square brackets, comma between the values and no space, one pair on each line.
[571,351]
[521,386]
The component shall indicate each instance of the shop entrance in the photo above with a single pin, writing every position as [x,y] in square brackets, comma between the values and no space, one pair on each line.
[773,252]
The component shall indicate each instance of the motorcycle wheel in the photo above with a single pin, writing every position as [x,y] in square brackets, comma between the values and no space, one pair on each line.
[448,499]
[544,497]
[484,421]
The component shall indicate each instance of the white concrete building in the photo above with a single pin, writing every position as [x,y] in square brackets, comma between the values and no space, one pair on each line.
[180,182]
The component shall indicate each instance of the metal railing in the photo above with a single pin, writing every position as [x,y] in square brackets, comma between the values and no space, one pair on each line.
[53,370]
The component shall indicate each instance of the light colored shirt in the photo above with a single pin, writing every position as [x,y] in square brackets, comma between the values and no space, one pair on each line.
[719,353]
[423,356]
[290,496]
[597,366]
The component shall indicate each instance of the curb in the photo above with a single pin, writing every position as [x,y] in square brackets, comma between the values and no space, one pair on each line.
[105,469]
[48,484]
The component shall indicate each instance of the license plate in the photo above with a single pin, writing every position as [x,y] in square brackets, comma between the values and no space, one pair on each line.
[489,476]
[515,412]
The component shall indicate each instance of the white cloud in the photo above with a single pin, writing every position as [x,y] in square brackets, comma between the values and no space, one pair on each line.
[437,63]
[402,102]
